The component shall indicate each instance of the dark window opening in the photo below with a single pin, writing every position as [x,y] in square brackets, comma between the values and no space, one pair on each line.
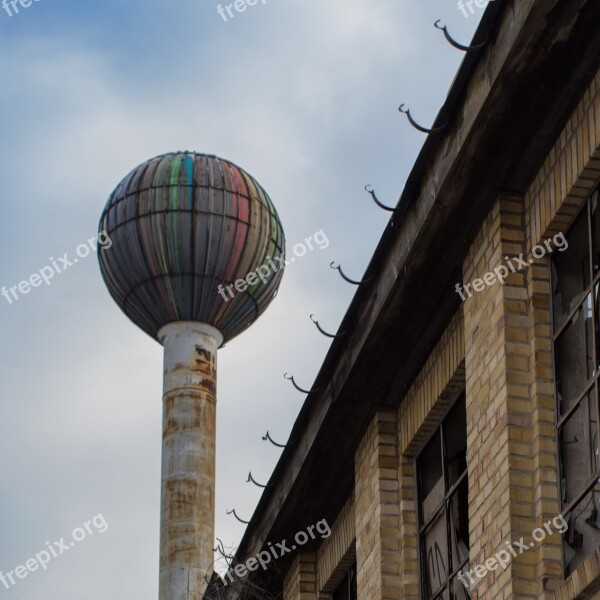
[347,590]
[443,498]
[575,305]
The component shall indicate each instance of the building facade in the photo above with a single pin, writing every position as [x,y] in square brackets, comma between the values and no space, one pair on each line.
[450,439]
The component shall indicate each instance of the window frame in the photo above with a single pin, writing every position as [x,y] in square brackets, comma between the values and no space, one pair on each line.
[591,387]
[350,579]
[444,507]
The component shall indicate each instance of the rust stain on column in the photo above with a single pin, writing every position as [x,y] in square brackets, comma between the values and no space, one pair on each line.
[188,459]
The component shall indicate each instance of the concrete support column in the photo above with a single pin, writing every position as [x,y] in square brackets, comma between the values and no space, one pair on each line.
[188,459]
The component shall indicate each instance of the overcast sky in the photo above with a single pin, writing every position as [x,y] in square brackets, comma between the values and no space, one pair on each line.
[303,94]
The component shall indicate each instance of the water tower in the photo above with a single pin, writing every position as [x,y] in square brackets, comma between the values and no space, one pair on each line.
[183,224]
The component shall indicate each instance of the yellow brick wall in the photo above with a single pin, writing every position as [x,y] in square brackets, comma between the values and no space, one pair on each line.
[543,435]
[583,583]
[499,345]
[300,581]
[409,532]
[568,176]
[437,385]
[385,509]
[337,553]
[499,422]
[566,179]
[513,471]
[569,173]
[377,511]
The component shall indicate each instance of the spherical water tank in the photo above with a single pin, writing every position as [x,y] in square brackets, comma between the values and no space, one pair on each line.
[182,225]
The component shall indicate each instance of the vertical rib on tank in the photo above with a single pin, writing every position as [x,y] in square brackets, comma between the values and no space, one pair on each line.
[182,224]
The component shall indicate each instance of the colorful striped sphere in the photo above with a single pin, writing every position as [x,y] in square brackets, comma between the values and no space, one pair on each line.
[182,225]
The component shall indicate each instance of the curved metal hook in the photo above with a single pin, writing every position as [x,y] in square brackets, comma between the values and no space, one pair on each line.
[291,378]
[345,277]
[232,512]
[221,549]
[416,125]
[270,439]
[251,479]
[376,200]
[330,335]
[455,43]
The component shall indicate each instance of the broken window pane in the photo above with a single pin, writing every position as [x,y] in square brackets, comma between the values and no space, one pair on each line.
[455,434]
[436,555]
[431,478]
[574,356]
[459,524]
[571,270]
[443,508]
[578,443]
[597,326]
[583,535]
[595,232]
[576,312]
[347,590]
[459,589]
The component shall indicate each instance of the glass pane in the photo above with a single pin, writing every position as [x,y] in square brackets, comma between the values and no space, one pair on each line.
[435,540]
[597,332]
[596,232]
[353,584]
[461,590]
[347,590]
[583,534]
[573,356]
[578,447]
[459,524]
[429,467]
[455,433]
[571,270]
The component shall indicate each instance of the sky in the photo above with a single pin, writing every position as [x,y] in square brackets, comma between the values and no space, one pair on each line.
[303,94]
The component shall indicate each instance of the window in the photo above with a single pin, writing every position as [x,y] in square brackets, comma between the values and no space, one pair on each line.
[444,508]
[347,590]
[575,283]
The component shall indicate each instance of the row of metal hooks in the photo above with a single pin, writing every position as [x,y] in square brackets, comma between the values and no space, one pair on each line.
[406,112]
[267,437]
[371,191]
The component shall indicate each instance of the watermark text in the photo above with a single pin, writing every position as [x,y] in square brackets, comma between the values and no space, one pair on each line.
[273,265]
[46,274]
[278,550]
[503,557]
[53,550]
[515,264]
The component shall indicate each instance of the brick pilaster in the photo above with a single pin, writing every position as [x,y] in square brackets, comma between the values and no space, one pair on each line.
[499,409]
[377,511]
[301,579]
